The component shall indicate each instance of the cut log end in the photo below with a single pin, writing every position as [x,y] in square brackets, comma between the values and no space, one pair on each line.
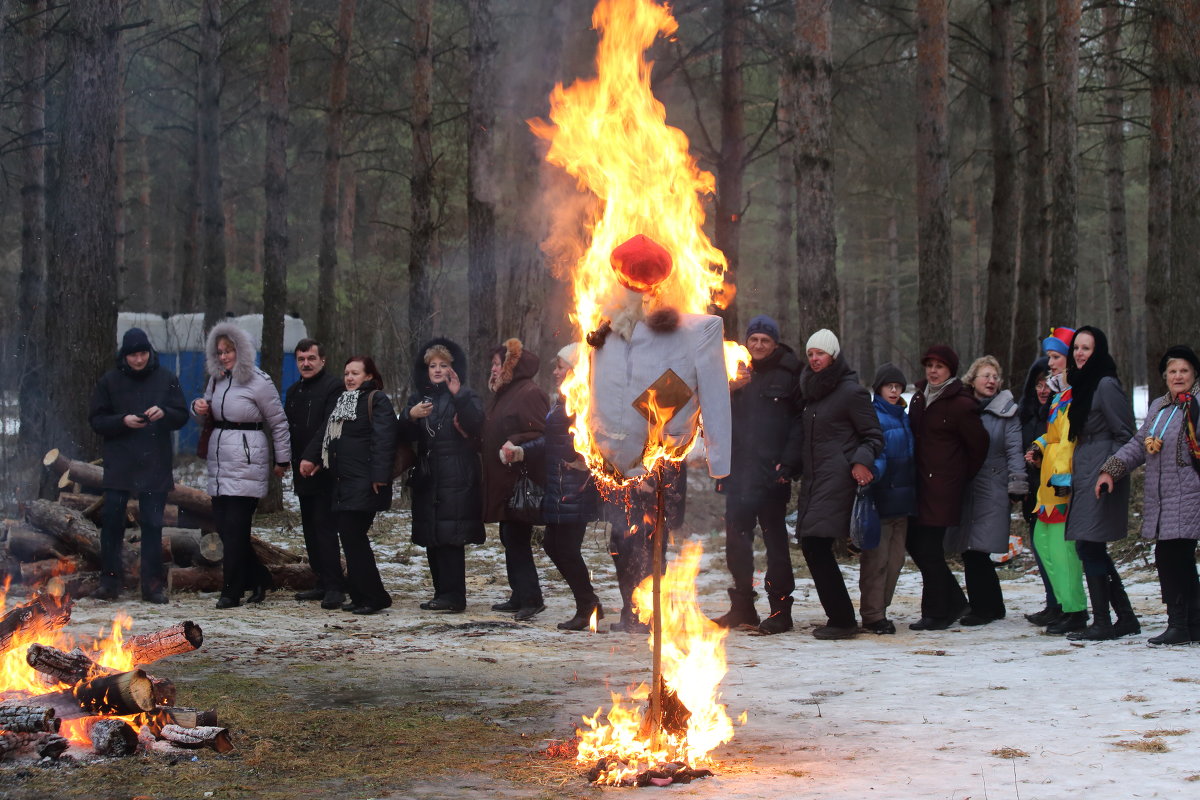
[205,736]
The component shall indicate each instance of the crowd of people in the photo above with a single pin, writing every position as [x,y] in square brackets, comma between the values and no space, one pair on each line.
[940,472]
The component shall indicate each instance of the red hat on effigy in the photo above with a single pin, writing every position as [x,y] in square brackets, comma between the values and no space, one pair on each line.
[641,263]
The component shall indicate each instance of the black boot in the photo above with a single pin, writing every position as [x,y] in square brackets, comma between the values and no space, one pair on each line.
[1178,631]
[1127,622]
[1194,615]
[110,588]
[629,623]
[1070,621]
[780,620]
[1047,615]
[741,610]
[583,615]
[1101,628]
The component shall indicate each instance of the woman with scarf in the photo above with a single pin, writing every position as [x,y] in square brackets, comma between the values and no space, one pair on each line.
[358,447]
[445,417]
[950,445]
[248,422]
[1168,445]
[1032,412]
[1051,454]
[1100,421]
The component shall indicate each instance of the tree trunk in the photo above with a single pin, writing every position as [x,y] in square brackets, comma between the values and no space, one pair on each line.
[998,318]
[727,226]
[146,277]
[1158,195]
[209,126]
[191,256]
[1185,175]
[32,281]
[275,189]
[816,237]
[126,298]
[934,309]
[785,203]
[82,315]
[481,191]
[327,257]
[1064,160]
[1029,326]
[1119,295]
[420,297]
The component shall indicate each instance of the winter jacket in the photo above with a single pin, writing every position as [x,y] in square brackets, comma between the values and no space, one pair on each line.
[137,459]
[895,486]
[985,510]
[1054,472]
[839,429]
[949,446]
[515,413]
[446,482]
[1032,415]
[239,460]
[766,431]
[362,454]
[1172,493]
[1109,426]
[571,495]
[308,404]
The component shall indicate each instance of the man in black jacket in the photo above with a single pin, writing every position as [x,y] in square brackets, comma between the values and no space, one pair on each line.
[308,405]
[135,407]
[766,456]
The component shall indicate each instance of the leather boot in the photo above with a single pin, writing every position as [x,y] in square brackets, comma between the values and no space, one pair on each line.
[583,615]
[780,620]
[1047,615]
[1101,628]
[1069,622]
[741,610]
[1127,622]
[1178,631]
[629,623]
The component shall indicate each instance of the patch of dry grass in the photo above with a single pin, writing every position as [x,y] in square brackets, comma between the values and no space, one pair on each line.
[1144,745]
[1134,698]
[1165,732]
[1009,752]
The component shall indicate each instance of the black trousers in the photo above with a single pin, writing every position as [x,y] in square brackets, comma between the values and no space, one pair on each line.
[240,566]
[1175,560]
[827,576]
[564,545]
[517,538]
[448,568]
[112,538]
[983,585]
[633,557]
[321,540]
[1096,560]
[941,596]
[740,519]
[362,575]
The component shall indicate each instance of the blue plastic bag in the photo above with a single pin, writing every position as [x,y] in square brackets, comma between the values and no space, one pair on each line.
[864,521]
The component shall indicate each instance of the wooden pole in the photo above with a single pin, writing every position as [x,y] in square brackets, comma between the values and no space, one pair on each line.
[656,541]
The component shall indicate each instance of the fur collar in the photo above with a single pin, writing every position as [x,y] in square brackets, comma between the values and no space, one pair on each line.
[516,363]
[244,368]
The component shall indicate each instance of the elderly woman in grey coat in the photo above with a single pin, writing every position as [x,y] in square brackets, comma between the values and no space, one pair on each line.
[985,511]
[248,422]
[1167,444]
[1100,421]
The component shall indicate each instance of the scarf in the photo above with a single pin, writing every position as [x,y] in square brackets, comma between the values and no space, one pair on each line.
[1191,412]
[934,392]
[1085,379]
[819,385]
[347,405]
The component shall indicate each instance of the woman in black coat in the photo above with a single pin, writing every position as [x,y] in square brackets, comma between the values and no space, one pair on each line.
[569,503]
[1032,411]
[445,417]
[358,447]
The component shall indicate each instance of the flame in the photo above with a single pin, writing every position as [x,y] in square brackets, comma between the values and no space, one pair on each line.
[593,619]
[18,679]
[693,665]
[610,133]
[736,355]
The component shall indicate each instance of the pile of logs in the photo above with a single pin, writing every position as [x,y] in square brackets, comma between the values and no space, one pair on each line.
[58,542]
[98,695]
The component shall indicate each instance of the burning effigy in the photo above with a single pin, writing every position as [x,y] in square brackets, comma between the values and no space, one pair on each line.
[655,378]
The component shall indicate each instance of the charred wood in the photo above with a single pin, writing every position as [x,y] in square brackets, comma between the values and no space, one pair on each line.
[43,611]
[51,745]
[36,573]
[160,717]
[149,647]
[202,736]
[112,737]
[28,719]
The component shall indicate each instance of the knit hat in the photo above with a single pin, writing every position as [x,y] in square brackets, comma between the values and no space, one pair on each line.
[824,340]
[570,355]
[135,341]
[1059,341]
[641,263]
[763,324]
[888,373]
[943,353]
[1179,351]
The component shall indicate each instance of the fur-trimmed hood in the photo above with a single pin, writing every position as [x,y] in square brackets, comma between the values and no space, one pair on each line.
[420,373]
[244,368]
[517,363]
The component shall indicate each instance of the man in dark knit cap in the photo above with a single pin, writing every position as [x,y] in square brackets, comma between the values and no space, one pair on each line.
[135,407]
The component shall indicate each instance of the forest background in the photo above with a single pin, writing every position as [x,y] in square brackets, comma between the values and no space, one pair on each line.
[903,173]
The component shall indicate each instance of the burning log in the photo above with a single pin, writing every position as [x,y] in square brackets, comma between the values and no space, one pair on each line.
[159,718]
[43,611]
[28,719]
[202,736]
[120,694]
[208,579]
[27,543]
[150,647]
[76,666]
[52,745]
[112,737]
[92,475]
[71,528]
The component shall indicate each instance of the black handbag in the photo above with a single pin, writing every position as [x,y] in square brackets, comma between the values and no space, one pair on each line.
[525,502]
